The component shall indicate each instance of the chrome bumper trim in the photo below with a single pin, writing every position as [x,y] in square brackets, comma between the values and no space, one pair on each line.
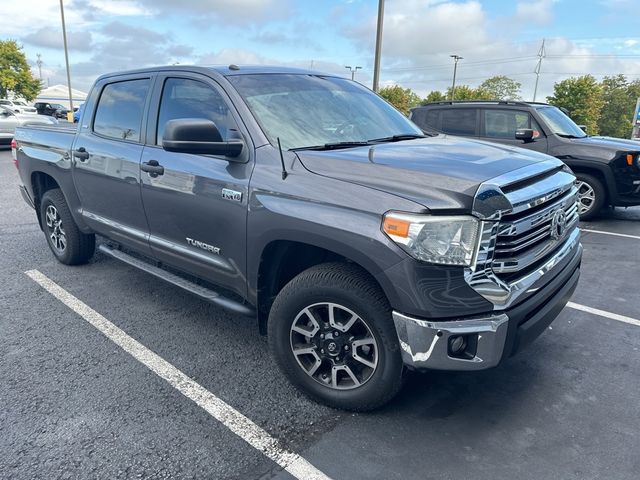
[424,344]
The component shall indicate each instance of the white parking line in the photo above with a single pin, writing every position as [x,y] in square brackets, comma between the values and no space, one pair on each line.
[610,233]
[218,409]
[604,313]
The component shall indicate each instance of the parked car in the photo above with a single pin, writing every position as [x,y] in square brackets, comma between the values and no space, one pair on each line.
[77,113]
[9,120]
[608,169]
[53,109]
[18,106]
[303,200]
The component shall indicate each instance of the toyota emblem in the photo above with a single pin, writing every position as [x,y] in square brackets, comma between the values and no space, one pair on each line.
[558,224]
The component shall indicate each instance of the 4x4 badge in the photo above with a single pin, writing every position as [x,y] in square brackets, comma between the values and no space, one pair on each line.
[234,195]
[558,224]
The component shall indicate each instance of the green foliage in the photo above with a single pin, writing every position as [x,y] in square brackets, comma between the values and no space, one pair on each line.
[582,96]
[465,92]
[434,96]
[15,74]
[619,98]
[402,98]
[501,88]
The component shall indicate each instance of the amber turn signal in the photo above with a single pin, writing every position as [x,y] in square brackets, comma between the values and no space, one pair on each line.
[396,227]
[629,159]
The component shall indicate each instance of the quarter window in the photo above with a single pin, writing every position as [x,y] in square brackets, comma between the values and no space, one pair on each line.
[120,109]
[185,98]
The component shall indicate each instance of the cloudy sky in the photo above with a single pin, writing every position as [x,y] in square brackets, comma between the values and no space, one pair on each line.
[495,37]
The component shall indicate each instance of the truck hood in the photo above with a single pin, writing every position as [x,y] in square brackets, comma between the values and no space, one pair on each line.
[438,172]
[604,148]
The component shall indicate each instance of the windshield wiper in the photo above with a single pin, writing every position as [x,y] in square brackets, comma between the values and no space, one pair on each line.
[333,146]
[398,138]
[568,135]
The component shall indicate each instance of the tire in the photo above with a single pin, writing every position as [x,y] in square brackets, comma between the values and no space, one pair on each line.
[375,366]
[68,244]
[591,195]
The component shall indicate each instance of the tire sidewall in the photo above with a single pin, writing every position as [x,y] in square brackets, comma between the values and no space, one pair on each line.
[599,193]
[291,303]
[47,200]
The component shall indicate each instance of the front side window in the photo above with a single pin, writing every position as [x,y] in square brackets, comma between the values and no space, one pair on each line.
[186,98]
[459,121]
[120,109]
[315,110]
[504,123]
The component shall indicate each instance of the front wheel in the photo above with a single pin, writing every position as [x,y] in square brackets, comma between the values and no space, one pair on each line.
[591,195]
[331,333]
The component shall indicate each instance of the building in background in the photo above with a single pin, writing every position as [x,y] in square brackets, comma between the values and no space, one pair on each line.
[60,94]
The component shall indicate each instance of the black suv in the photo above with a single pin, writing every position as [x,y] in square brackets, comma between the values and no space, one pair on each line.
[608,169]
[52,109]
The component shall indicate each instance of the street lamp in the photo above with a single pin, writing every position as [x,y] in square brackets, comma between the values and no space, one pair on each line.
[376,58]
[455,69]
[353,71]
[66,59]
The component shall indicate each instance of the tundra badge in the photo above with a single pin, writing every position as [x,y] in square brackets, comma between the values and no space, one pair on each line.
[203,246]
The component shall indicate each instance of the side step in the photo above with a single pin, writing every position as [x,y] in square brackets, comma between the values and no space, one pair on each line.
[203,292]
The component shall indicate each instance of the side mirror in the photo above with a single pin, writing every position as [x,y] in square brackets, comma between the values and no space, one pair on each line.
[198,136]
[524,134]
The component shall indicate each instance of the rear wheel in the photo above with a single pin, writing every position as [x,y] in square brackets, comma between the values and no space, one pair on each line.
[331,333]
[591,195]
[69,245]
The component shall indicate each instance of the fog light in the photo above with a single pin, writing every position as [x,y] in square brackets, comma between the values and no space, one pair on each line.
[457,344]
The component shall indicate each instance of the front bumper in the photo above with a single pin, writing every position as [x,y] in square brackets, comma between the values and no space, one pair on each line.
[491,338]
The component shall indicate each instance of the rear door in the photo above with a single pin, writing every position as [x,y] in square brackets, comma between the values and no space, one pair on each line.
[463,122]
[500,125]
[106,160]
[197,209]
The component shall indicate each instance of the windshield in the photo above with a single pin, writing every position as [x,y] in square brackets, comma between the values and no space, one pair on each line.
[21,103]
[560,124]
[313,110]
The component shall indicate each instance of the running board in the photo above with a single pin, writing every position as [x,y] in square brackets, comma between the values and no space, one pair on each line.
[202,292]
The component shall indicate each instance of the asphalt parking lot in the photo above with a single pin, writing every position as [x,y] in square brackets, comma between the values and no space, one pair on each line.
[73,404]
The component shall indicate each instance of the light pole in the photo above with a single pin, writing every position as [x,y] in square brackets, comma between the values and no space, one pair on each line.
[376,60]
[353,71]
[66,59]
[39,64]
[455,69]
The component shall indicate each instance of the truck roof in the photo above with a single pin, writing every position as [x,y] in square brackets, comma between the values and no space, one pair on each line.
[224,70]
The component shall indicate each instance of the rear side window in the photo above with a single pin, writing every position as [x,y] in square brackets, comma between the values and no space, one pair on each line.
[120,109]
[185,98]
[426,118]
[459,121]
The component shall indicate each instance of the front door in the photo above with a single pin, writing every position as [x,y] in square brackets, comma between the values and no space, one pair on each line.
[106,162]
[197,208]
[500,126]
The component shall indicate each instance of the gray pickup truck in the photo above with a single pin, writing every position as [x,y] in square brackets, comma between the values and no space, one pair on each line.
[361,246]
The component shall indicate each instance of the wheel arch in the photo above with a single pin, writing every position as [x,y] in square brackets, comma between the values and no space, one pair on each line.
[281,260]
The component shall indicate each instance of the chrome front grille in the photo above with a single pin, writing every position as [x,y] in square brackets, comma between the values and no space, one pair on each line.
[529,227]
[528,237]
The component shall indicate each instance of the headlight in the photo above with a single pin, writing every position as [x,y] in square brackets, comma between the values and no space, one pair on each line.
[448,240]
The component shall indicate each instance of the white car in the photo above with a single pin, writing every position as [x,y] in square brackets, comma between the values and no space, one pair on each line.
[9,120]
[18,106]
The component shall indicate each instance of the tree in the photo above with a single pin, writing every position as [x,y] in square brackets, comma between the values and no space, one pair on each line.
[465,92]
[501,88]
[434,96]
[15,74]
[615,119]
[582,96]
[401,98]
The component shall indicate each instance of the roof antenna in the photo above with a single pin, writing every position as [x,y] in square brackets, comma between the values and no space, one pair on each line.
[284,170]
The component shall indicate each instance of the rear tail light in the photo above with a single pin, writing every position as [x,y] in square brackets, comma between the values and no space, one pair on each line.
[14,153]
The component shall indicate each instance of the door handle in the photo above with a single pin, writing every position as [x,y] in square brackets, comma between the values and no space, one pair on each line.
[153,168]
[81,154]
